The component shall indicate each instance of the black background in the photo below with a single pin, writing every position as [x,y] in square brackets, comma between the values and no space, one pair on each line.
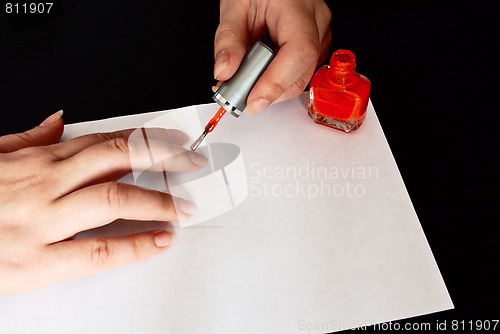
[433,87]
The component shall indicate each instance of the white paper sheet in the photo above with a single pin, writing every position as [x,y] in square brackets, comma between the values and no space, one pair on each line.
[326,239]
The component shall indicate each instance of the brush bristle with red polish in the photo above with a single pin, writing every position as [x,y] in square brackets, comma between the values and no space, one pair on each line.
[209,128]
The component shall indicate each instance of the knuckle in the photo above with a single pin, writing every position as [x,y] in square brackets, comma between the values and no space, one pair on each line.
[30,151]
[24,137]
[136,247]
[298,87]
[120,144]
[105,136]
[275,88]
[328,13]
[116,195]
[33,155]
[166,203]
[308,53]
[325,11]
[225,34]
[100,252]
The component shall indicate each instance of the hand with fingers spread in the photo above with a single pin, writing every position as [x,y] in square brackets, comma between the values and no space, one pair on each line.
[50,191]
[301,30]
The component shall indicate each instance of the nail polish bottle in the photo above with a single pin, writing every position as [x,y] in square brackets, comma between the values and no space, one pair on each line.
[338,96]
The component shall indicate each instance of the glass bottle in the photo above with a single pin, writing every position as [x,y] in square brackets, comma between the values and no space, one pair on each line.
[338,96]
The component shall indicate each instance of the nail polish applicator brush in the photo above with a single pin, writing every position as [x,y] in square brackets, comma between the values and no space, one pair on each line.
[233,93]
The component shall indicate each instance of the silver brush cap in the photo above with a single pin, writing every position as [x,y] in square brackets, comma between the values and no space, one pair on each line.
[232,94]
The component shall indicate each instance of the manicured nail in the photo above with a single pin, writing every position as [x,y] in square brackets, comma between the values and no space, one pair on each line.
[197,159]
[52,118]
[187,207]
[221,62]
[163,239]
[256,106]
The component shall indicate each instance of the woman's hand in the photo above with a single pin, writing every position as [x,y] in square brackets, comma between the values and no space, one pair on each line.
[50,191]
[300,28]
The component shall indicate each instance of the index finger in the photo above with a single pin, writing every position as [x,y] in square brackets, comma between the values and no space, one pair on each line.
[73,146]
[299,45]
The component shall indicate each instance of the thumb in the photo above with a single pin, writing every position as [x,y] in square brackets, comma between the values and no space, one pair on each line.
[47,133]
[231,39]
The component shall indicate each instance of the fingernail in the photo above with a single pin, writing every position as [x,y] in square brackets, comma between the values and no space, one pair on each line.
[216,87]
[198,159]
[256,106]
[163,239]
[187,207]
[52,118]
[221,62]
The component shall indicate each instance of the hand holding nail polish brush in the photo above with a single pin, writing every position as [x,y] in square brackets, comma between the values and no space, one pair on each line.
[233,93]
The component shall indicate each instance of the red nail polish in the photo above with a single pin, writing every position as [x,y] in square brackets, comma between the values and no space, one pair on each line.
[338,96]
